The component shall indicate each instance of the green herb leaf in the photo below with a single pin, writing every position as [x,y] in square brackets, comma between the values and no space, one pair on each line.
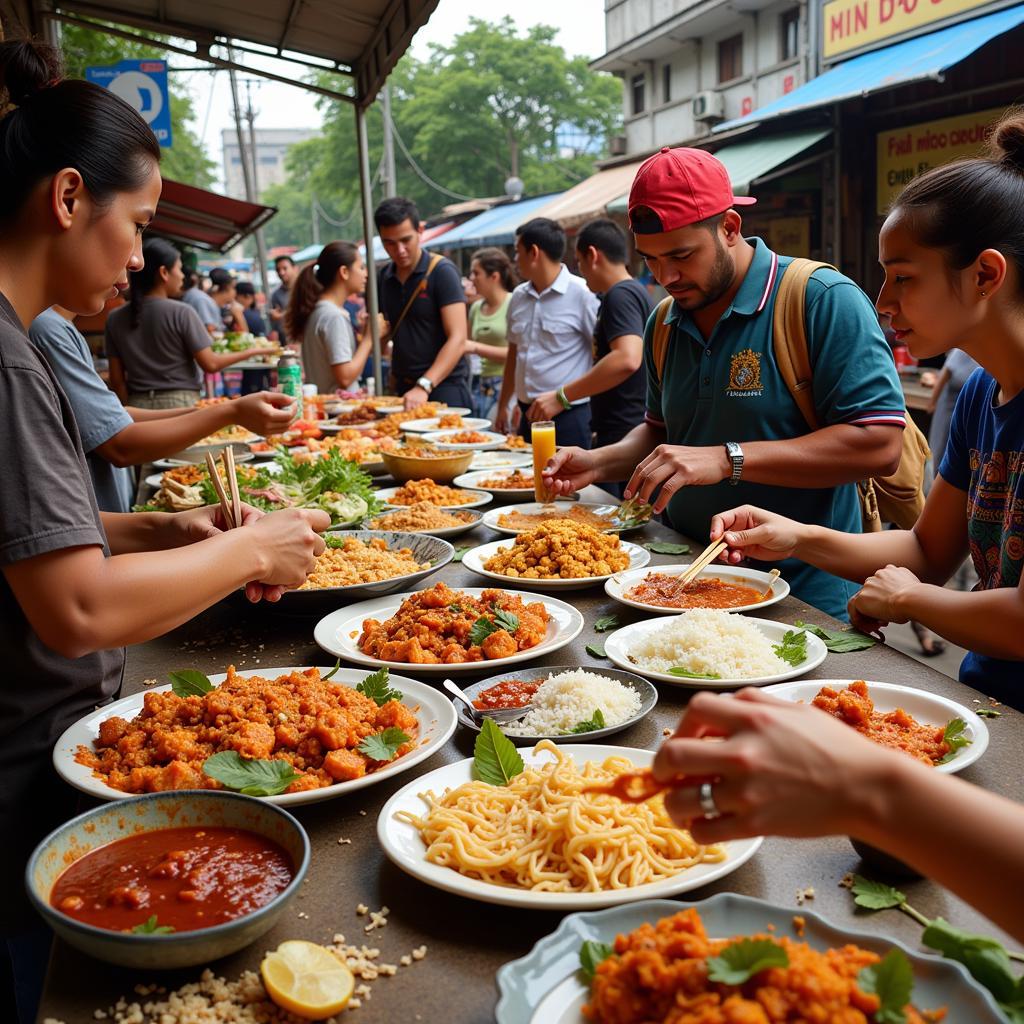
[596,721]
[150,927]
[985,958]
[456,608]
[953,735]
[506,620]
[739,962]
[375,686]
[495,758]
[484,627]
[337,665]
[793,649]
[840,641]
[607,622]
[875,895]
[190,683]
[251,777]
[333,541]
[591,954]
[988,713]
[382,746]
[460,551]
[664,547]
[596,650]
[685,673]
[892,980]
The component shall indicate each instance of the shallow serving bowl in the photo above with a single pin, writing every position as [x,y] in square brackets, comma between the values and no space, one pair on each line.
[180,809]
[442,471]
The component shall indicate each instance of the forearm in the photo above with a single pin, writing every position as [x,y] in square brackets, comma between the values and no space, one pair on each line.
[508,379]
[129,532]
[989,622]
[145,415]
[346,373]
[159,436]
[856,556]
[497,353]
[447,357]
[607,373]
[221,360]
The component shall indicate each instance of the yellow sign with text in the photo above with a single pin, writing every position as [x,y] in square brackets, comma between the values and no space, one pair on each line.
[851,24]
[905,153]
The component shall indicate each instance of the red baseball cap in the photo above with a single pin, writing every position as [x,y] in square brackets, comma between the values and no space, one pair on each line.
[677,187]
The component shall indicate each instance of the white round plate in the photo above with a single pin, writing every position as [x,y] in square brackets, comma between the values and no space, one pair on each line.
[496,459]
[617,586]
[546,986]
[476,478]
[446,532]
[339,633]
[433,710]
[927,708]
[273,468]
[433,423]
[474,499]
[618,644]
[491,518]
[404,846]
[474,560]
[438,437]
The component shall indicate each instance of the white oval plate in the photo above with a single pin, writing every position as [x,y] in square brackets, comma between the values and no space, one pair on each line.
[334,633]
[432,424]
[492,517]
[438,437]
[474,499]
[617,586]
[496,459]
[617,645]
[476,478]
[404,846]
[546,986]
[474,560]
[927,708]
[447,531]
[433,710]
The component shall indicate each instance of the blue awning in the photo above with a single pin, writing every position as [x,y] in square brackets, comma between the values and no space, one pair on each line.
[915,59]
[496,226]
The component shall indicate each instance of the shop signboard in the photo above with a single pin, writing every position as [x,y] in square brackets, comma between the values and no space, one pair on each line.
[905,153]
[143,84]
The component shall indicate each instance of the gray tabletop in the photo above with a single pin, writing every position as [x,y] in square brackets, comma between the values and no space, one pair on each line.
[467,941]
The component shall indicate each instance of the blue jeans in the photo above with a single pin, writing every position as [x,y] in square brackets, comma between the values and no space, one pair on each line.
[485,396]
[572,427]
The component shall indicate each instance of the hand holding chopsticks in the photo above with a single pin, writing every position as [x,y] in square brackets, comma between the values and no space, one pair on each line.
[699,564]
[230,509]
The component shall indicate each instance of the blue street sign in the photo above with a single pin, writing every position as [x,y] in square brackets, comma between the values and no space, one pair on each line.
[143,84]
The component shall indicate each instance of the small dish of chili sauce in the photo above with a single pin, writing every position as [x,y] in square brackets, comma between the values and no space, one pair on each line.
[512,693]
[187,878]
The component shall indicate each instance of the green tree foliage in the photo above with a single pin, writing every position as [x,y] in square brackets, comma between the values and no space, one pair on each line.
[185,160]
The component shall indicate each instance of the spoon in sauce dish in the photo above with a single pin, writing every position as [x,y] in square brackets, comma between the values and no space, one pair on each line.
[500,716]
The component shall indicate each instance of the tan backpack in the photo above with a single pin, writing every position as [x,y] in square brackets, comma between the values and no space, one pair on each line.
[898,498]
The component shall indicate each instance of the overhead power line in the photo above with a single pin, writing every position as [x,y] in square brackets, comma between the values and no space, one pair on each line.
[419,170]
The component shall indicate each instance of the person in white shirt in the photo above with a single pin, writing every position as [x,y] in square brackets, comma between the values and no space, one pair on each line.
[551,319]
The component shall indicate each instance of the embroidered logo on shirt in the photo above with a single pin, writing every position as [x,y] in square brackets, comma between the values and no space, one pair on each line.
[745,374]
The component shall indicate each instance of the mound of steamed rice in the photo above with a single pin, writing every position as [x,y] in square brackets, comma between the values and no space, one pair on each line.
[707,641]
[564,700]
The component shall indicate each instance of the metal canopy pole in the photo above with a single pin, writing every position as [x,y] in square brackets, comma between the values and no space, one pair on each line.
[371,269]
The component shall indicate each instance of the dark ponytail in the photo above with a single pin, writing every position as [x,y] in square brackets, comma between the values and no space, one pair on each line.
[156,253]
[312,281]
[494,261]
[965,207]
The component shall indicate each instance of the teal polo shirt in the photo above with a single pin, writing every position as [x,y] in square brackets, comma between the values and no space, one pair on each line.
[729,388]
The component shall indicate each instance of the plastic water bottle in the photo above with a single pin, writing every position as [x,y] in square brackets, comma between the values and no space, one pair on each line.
[289,379]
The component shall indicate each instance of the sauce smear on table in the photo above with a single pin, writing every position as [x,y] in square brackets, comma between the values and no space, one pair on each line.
[512,693]
[189,878]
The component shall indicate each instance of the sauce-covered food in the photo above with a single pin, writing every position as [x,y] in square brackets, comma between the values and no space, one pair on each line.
[531,520]
[185,878]
[511,693]
[664,591]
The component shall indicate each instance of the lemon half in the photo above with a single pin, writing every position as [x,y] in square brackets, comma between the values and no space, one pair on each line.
[307,980]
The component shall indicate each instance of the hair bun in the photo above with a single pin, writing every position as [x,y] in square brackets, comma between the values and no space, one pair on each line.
[27,67]
[1007,141]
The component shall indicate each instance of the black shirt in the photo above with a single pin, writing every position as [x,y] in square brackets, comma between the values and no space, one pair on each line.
[255,322]
[421,335]
[624,310]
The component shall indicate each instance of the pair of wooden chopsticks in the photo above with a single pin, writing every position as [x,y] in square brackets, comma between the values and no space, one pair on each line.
[231,510]
[699,564]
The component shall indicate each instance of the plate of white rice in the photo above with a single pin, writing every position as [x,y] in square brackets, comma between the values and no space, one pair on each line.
[569,697]
[710,649]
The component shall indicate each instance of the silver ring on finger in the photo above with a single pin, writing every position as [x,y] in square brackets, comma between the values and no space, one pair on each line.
[707,801]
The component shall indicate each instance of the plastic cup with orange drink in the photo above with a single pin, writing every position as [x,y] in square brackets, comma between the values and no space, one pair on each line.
[542,437]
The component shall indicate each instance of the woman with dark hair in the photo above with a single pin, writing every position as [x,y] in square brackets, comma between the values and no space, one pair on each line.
[155,342]
[81,180]
[492,275]
[332,356]
[953,253]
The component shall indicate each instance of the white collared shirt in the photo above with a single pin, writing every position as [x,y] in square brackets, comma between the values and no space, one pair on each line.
[553,332]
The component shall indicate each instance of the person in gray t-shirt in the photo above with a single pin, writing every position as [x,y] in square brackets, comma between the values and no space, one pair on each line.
[208,310]
[281,296]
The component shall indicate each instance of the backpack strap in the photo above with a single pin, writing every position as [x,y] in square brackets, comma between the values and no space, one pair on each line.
[660,336]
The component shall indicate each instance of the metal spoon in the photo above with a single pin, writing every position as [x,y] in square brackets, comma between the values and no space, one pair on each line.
[500,716]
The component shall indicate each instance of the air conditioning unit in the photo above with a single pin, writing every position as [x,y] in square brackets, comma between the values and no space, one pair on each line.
[708,106]
[617,145]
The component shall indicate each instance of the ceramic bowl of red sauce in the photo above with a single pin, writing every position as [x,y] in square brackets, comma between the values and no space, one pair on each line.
[170,879]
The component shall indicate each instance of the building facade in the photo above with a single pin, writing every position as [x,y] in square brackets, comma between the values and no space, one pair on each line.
[272,145]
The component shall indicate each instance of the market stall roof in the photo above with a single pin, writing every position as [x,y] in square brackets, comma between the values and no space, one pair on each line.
[590,198]
[496,226]
[924,57]
[204,219]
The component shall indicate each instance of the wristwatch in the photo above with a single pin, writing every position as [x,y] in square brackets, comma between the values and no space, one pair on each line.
[426,383]
[735,453]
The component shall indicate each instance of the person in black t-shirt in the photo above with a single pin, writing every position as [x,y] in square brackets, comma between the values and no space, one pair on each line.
[616,384]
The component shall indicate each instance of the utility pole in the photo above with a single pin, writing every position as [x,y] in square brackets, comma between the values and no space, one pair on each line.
[261,247]
[390,182]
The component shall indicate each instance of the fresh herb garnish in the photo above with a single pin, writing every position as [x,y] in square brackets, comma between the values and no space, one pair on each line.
[596,650]
[988,713]
[596,721]
[875,895]
[793,649]
[337,665]
[495,758]
[252,777]
[484,627]
[456,607]
[382,746]
[188,682]
[840,641]
[954,736]
[892,980]
[375,686]
[739,962]
[150,927]
[607,622]
[593,953]
[665,547]
[460,551]
[678,670]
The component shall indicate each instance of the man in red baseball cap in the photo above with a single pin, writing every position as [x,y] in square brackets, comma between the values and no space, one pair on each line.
[722,427]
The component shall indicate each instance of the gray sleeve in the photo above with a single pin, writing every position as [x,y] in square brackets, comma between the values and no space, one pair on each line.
[338,338]
[193,330]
